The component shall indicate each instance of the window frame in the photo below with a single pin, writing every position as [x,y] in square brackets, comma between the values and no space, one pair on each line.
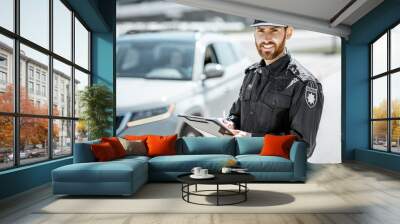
[16,114]
[388,74]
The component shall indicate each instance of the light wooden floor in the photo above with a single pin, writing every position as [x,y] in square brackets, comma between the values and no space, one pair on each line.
[378,188]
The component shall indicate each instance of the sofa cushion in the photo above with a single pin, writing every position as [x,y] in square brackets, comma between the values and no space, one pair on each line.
[257,163]
[111,171]
[103,152]
[185,163]
[133,158]
[136,137]
[83,152]
[116,144]
[159,145]
[277,145]
[206,145]
[249,145]
[134,147]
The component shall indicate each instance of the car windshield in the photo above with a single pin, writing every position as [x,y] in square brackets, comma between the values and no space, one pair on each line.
[155,59]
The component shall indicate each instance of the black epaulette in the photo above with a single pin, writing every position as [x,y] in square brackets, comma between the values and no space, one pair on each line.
[300,72]
[252,67]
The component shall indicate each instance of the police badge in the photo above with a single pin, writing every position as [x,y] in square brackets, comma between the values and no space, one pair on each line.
[311,94]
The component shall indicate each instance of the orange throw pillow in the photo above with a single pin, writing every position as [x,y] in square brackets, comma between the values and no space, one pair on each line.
[116,145]
[277,145]
[136,137]
[161,145]
[103,151]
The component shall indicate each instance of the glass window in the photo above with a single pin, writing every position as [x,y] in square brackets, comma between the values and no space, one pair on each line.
[81,131]
[34,79]
[3,61]
[379,97]
[395,47]
[7,14]
[30,72]
[155,59]
[43,90]
[6,73]
[382,138]
[225,53]
[3,79]
[37,89]
[395,95]
[395,136]
[6,142]
[62,137]
[34,21]
[33,139]
[62,29]
[379,55]
[81,45]
[81,82]
[30,87]
[210,56]
[40,62]
[62,72]
[379,135]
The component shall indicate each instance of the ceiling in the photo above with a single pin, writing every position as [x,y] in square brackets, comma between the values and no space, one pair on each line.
[333,17]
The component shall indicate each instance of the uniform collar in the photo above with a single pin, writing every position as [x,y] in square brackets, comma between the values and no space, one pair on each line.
[277,65]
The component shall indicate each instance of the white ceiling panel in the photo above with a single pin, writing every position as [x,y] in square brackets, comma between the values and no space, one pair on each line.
[333,17]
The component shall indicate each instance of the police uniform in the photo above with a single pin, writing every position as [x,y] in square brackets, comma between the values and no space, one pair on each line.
[280,98]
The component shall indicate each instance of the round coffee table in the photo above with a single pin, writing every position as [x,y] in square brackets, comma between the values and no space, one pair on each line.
[238,179]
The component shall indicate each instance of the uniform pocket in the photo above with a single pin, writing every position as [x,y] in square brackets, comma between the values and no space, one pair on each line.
[263,118]
[280,105]
[276,100]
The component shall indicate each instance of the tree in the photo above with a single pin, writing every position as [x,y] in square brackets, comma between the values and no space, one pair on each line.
[97,104]
[6,122]
[33,131]
[395,123]
[81,130]
[380,127]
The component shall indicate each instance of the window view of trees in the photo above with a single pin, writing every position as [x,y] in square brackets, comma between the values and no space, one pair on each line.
[385,78]
[39,124]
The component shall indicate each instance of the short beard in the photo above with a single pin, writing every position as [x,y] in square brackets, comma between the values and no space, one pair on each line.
[279,49]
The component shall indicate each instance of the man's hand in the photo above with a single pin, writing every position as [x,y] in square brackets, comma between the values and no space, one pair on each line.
[240,133]
[229,124]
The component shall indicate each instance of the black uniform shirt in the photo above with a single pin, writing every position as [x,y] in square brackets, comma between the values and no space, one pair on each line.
[280,98]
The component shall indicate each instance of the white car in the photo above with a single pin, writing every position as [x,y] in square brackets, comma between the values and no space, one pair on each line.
[162,74]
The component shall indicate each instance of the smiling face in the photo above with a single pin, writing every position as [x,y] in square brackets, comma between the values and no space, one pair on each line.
[270,40]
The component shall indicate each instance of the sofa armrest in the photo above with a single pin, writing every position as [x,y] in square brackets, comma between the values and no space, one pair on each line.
[298,155]
[83,152]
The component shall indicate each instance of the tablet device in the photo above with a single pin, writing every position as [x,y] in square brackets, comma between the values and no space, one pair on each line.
[210,125]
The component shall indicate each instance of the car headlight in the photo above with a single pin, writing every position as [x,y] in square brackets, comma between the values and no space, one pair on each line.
[150,115]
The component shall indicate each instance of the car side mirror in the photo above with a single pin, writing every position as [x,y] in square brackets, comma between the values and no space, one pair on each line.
[213,70]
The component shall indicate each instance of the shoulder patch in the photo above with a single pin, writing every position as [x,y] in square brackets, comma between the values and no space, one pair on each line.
[311,94]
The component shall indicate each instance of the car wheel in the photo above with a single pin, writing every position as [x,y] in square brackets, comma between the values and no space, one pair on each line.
[188,131]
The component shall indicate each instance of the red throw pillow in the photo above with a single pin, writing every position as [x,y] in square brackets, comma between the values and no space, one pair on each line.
[103,151]
[277,145]
[116,145]
[161,145]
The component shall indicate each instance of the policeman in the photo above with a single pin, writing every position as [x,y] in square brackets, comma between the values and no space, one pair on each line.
[278,95]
